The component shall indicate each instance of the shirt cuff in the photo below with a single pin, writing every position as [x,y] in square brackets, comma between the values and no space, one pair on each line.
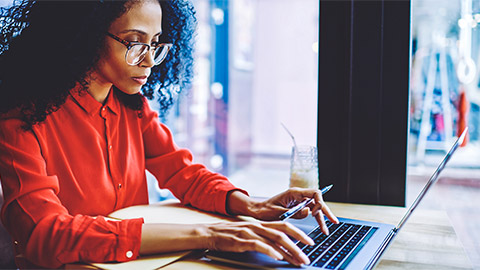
[129,240]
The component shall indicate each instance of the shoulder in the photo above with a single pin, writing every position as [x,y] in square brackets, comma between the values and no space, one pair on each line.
[149,116]
[147,110]
[150,121]
[12,132]
[12,114]
[11,123]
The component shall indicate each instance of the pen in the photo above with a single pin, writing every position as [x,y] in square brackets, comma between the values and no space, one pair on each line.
[301,205]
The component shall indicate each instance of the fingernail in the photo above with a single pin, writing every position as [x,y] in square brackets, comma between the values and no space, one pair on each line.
[278,256]
[325,228]
[305,259]
[310,241]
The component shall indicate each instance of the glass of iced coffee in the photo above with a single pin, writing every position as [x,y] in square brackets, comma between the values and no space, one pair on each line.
[304,167]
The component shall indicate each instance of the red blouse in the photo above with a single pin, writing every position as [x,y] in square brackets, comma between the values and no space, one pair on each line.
[83,162]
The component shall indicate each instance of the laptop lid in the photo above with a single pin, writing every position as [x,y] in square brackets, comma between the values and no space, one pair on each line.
[433,179]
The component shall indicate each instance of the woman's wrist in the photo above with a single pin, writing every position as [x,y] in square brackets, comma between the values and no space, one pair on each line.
[174,237]
[238,203]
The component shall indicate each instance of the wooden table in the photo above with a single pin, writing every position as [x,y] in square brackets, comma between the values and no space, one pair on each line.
[427,241]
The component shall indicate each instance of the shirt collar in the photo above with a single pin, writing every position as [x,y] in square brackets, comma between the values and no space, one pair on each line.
[92,106]
[112,102]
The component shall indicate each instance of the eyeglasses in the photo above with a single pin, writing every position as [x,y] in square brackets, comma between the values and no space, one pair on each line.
[136,51]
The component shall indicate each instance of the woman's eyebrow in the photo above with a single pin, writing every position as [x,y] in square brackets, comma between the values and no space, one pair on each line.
[138,32]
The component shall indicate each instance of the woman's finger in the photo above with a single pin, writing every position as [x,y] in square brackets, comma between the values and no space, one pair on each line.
[321,222]
[321,206]
[286,255]
[302,213]
[289,257]
[318,202]
[242,245]
[276,233]
[291,230]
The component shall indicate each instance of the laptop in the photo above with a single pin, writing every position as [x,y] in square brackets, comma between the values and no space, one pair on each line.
[351,244]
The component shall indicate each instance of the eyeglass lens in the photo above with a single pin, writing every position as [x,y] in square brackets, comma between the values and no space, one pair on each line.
[137,53]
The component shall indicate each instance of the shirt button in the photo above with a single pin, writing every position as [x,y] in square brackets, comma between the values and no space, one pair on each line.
[110,147]
[119,186]
[129,254]
[15,242]
[103,113]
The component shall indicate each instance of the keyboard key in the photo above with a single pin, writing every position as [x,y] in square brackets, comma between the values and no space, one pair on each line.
[315,232]
[329,251]
[308,249]
[315,255]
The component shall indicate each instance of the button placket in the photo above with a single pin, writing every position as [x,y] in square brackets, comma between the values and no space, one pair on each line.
[108,139]
[116,179]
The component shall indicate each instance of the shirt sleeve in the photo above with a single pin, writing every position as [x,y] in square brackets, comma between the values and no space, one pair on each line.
[44,231]
[174,169]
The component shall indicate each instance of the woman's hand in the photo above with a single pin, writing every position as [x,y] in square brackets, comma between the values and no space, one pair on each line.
[269,238]
[271,209]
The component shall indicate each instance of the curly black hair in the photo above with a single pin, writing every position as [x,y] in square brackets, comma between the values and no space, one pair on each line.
[47,48]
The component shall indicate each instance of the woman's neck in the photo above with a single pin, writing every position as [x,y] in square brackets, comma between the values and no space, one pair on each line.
[98,89]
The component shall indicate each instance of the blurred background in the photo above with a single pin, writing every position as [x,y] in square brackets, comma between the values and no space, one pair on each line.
[257,67]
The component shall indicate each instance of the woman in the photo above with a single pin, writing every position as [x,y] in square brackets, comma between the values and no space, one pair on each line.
[76,136]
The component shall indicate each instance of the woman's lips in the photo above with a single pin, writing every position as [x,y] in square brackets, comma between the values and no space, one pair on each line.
[140,80]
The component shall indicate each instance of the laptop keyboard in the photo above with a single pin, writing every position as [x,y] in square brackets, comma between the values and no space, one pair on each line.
[336,250]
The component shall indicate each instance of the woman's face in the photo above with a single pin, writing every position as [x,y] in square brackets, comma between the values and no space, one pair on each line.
[142,23]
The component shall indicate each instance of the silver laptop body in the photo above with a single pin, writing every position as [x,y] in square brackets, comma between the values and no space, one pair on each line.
[360,250]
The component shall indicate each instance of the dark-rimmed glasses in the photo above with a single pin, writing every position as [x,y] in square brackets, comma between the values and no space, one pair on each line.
[136,51]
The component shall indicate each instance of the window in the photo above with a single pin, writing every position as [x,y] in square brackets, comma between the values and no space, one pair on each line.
[232,122]
[445,93]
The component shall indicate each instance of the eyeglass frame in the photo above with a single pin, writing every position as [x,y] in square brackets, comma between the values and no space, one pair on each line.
[130,44]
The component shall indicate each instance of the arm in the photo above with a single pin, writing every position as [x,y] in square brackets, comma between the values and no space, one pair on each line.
[269,238]
[174,169]
[46,233]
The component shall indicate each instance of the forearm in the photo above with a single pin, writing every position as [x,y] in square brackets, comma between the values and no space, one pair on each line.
[160,238]
[238,203]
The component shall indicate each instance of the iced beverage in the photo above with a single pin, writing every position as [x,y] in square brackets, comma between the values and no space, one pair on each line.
[304,178]
[304,167]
